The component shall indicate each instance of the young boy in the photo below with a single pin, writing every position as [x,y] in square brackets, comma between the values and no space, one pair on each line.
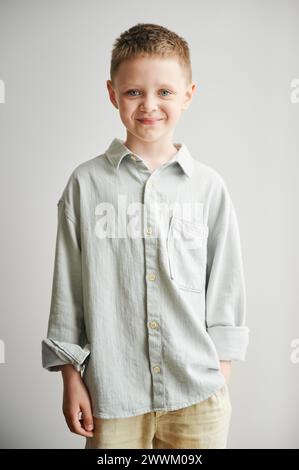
[148,297]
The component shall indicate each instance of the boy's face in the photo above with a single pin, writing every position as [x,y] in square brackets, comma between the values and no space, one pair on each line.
[150,88]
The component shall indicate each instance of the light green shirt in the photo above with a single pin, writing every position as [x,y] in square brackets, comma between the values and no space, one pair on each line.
[148,287]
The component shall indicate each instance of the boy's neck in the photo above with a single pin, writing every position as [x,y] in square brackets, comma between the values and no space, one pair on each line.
[153,153]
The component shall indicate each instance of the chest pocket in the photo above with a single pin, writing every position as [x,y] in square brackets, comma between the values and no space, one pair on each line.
[187,253]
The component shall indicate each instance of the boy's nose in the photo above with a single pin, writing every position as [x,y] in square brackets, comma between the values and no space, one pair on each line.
[148,104]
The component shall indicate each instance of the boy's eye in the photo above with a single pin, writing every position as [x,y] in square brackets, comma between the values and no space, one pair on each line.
[166,92]
[131,91]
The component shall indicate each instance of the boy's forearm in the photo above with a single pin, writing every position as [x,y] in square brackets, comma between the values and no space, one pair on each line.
[225,367]
[225,364]
[69,372]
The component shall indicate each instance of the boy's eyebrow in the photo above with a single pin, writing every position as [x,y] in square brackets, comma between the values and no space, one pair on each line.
[167,85]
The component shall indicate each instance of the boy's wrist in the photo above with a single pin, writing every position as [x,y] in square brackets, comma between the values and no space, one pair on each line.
[225,367]
[69,372]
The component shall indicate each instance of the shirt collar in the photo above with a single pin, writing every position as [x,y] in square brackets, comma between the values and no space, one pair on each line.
[117,150]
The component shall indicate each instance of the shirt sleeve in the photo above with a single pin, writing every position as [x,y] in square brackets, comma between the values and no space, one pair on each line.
[66,341]
[225,282]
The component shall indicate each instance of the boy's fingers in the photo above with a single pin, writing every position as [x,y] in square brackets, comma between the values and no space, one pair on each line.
[74,425]
[87,418]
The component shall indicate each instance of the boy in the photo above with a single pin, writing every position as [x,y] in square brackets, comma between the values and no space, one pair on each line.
[148,297]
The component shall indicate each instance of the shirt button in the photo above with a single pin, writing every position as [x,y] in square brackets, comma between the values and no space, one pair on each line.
[133,157]
[149,230]
[157,369]
[151,277]
[153,324]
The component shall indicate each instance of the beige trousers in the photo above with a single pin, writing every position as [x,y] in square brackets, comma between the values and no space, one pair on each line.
[204,425]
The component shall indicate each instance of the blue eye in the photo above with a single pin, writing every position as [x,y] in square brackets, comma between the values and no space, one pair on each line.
[128,92]
[166,92]
[131,91]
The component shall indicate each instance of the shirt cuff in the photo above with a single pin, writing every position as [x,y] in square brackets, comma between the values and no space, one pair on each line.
[230,341]
[57,353]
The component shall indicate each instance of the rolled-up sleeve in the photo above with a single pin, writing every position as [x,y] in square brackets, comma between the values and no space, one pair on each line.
[66,341]
[225,282]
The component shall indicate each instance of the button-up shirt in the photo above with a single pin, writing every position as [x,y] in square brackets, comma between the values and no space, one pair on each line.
[148,292]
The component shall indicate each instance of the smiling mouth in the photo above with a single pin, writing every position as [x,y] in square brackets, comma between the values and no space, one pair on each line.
[149,121]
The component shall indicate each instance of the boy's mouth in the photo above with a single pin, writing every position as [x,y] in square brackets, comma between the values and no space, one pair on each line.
[149,121]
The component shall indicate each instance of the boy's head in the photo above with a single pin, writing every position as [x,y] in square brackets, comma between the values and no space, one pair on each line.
[150,77]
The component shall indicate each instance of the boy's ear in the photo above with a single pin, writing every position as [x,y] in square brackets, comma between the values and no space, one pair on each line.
[111,93]
[189,95]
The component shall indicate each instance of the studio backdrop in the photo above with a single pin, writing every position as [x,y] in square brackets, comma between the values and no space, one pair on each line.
[55,113]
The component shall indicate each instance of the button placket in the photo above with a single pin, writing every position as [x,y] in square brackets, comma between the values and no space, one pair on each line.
[152,291]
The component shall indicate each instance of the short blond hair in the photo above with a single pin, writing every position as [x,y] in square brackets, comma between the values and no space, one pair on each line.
[148,39]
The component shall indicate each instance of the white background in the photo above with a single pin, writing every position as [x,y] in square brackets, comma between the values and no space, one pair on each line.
[54,62]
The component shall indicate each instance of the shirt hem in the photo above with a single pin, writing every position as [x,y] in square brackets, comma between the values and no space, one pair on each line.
[174,406]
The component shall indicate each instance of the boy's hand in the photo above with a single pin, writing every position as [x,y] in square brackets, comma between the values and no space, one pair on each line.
[225,367]
[75,400]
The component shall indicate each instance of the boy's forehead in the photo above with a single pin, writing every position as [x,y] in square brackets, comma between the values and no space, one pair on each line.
[142,83]
[134,73]
[141,63]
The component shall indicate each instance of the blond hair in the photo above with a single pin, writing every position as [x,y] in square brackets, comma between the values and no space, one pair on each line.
[148,39]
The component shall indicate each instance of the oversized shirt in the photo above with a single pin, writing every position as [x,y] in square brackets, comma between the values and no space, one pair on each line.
[148,291]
